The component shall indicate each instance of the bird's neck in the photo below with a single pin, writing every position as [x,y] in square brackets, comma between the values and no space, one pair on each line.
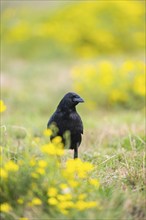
[66,109]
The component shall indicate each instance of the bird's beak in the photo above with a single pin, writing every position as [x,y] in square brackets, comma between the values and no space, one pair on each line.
[78,99]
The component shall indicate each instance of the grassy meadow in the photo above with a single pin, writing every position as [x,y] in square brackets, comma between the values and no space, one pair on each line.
[48,50]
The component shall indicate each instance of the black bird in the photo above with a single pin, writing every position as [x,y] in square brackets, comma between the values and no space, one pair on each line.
[68,122]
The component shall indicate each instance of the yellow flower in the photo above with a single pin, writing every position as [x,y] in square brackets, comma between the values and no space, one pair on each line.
[80,205]
[92,204]
[42,163]
[64,197]
[36,201]
[82,174]
[11,166]
[73,183]
[63,186]
[51,149]
[3,173]
[57,140]
[32,162]
[61,197]
[20,201]
[117,95]
[60,152]
[106,69]
[40,170]
[19,32]
[78,167]
[65,205]
[48,132]
[23,218]
[2,106]
[68,196]
[5,207]
[52,201]
[87,166]
[94,182]
[52,191]
[82,196]
[139,85]
[34,175]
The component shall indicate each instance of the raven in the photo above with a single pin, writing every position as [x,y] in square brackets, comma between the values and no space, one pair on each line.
[68,122]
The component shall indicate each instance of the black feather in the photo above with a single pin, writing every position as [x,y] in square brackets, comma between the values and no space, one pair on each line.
[68,121]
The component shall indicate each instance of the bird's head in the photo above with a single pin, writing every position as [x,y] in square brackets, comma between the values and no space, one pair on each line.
[70,100]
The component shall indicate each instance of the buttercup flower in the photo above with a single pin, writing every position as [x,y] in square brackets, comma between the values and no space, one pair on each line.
[52,191]
[11,166]
[5,207]
[2,106]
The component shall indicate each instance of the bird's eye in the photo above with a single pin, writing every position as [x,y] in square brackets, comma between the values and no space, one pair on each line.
[73,98]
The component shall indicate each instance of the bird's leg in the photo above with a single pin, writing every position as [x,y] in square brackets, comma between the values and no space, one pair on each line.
[75,152]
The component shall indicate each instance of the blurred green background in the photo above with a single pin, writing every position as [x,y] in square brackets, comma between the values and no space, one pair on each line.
[93,48]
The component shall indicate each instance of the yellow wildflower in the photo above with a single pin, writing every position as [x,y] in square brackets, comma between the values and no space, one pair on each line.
[65,205]
[116,95]
[5,207]
[2,106]
[34,175]
[82,196]
[52,191]
[63,186]
[23,218]
[92,204]
[82,174]
[57,140]
[60,152]
[20,201]
[48,132]
[68,196]
[139,85]
[52,201]
[42,163]
[51,149]
[128,66]
[64,197]
[11,166]
[32,162]
[94,182]
[3,173]
[78,167]
[87,166]
[106,69]
[80,205]
[36,201]
[40,170]
[73,183]
[61,197]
